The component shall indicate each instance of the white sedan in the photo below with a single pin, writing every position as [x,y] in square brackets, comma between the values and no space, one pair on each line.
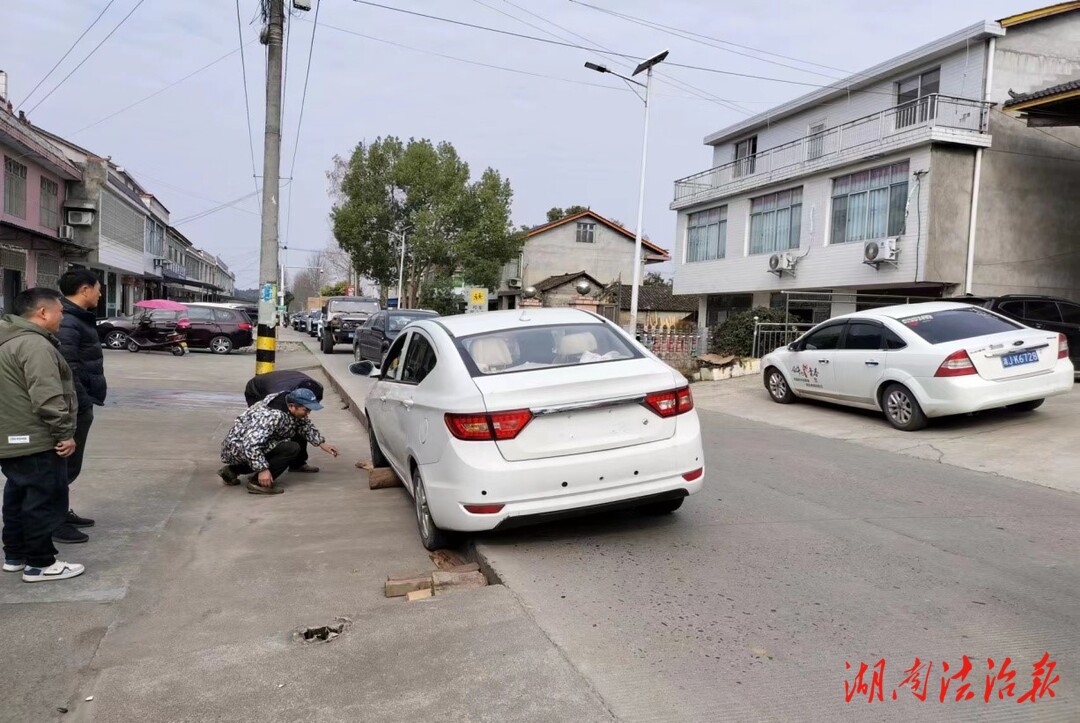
[503,418]
[922,360]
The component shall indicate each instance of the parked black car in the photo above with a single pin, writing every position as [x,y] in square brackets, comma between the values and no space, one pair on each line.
[379,331]
[1038,312]
[217,328]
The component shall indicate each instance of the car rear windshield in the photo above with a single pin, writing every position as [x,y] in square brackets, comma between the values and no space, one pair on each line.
[349,306]
[519,350]
[954,324]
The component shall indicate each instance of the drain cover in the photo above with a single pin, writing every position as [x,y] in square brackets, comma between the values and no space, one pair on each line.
[323,633]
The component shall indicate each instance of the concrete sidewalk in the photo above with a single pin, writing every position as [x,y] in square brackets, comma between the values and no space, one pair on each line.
[194,590]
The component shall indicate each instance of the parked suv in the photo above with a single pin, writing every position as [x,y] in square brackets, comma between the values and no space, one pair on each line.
[342,315]
[217,328]
[1039,312]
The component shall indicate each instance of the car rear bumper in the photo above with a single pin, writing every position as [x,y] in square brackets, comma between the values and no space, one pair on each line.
[474,473]
[961,395]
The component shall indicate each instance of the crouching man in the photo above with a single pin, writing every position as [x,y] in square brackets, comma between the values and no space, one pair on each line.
[261,441]
[261,386]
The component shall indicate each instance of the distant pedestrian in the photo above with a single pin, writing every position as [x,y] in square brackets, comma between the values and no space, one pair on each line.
[261,440]
[260,386]
[81,346]
[37,435]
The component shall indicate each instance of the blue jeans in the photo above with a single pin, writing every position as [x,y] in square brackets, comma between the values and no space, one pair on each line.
[35,504]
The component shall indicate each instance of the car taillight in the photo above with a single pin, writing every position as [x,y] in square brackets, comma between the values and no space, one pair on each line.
[957,364]
[1063,347]
[488,427]
[244,326]
[691,476]
[484,509]
[671,403]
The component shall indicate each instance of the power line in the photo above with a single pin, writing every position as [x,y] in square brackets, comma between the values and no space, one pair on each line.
[62,59]
[703,94]
[1041,130]
[90,55]
[713,42]
[159,92]
[215,209]
[300,121]
[247,104]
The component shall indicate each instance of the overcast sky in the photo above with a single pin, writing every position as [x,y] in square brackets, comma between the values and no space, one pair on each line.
[570,137]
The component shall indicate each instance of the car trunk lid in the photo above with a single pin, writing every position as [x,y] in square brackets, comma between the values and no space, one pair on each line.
[574,412]
[1014,354]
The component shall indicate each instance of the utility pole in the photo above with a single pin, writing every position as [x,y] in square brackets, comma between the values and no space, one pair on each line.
[266,340]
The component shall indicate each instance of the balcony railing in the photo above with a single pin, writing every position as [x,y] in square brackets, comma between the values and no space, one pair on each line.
[933,111]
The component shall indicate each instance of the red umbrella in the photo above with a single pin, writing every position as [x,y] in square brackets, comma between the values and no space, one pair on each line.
[160,304]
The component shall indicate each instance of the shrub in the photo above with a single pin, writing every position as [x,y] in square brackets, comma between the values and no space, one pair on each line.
[735,335]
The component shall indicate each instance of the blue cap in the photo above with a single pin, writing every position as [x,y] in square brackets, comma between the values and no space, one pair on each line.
[304,398]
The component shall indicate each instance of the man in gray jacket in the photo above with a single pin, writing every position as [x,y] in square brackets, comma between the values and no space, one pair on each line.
[37,431]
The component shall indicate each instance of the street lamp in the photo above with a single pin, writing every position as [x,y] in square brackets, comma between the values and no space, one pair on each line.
[645,66]
[401,266]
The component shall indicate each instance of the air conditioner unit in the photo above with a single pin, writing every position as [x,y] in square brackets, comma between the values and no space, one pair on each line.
[65,233]
[876,252]
[302,4]
[779,263]
[80,218]
[513,283]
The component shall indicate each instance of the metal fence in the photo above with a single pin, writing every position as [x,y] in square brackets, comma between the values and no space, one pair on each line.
[773,335]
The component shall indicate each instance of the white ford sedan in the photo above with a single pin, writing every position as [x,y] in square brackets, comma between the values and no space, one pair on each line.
[500,419]
[922,360]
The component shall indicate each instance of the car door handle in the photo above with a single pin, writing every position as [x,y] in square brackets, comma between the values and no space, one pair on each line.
[823,361]
[407,403]
[871,362]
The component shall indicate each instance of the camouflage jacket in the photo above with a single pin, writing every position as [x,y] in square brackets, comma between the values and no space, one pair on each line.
[261,428]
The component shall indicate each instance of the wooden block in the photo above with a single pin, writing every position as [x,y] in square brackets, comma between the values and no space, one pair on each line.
[365,464]
[444,581]
[400,587]
[383,477]
[467,567]
[445,559]
[418,594]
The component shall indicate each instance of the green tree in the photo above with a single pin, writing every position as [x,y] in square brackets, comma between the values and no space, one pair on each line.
[735,335]
[452,223]
[655,279]
[439,296]
[556,213]
[337,289]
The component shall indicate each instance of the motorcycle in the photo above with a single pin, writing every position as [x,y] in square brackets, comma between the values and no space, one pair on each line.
[149,337]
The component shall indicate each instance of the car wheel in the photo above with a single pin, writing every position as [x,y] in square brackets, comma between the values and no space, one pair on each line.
[778,387]
[378,459]
[431,536]
[327,343]
[221,345]
[1026,406]
[132,345]
[902,409]
[663,507]
[116,339]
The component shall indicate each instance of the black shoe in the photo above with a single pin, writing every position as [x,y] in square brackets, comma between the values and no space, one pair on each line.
[228,476]
[253,487]
[75,521]
[68,535]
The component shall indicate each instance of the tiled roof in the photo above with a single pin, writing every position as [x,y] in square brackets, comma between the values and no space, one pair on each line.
[1017,99]
[610,224]
[554,282]
[657,297]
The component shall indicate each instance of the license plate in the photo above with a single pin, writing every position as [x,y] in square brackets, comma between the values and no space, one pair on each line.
[1015,360]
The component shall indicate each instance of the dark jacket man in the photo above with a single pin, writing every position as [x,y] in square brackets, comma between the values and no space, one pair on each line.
[261,386]
[81,347]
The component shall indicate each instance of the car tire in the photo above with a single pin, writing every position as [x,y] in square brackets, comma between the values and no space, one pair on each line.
[902,409]
[221,344]
[663,507]
[378,459]
[132,346]
[778,387]
[431,536]
[116,339]
[327,343]
[1026,406]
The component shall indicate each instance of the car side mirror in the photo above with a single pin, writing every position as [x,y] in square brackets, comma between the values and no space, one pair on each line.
[793,347]
[364,369]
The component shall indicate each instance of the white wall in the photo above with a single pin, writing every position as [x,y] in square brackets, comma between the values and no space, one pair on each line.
[824,265]
[961,76]
[556,251]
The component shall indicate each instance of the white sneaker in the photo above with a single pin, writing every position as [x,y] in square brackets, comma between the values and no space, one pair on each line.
[56,571]
[13,565]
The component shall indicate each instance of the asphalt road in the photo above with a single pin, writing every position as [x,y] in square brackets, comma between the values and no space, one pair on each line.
[802,555]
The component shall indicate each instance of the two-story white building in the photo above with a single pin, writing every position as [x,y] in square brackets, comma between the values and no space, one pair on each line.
[906,178]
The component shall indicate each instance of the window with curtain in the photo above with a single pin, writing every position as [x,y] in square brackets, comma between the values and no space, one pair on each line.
[776,221]
[49,206]
[869,204]
[706,235]
[14,188]
[586,233]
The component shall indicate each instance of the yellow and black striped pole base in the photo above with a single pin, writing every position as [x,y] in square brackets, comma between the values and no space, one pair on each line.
[265,348]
